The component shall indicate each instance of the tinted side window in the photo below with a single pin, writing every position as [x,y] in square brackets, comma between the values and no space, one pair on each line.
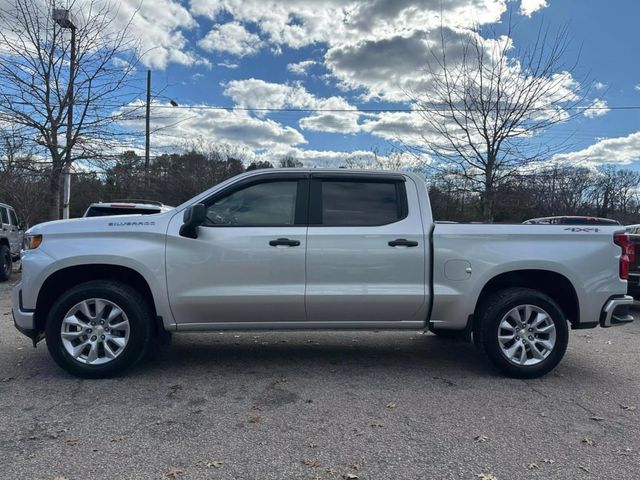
[14,219]
[3,215]
[361,203]
[268,203]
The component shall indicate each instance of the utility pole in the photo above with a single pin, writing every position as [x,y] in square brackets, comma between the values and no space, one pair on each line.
[64,18]
[147,139]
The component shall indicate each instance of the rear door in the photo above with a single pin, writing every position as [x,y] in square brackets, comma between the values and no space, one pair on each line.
[15,235]
[366,261]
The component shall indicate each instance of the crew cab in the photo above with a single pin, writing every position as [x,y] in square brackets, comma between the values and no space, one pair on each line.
[11,236]
[303,249]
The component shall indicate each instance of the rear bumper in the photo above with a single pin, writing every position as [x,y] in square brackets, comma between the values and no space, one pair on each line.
[616,311]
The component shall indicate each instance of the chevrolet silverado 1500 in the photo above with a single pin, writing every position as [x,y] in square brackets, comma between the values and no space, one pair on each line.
[315,249]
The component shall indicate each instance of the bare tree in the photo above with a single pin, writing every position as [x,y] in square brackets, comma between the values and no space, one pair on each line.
[484,100]
[37,85]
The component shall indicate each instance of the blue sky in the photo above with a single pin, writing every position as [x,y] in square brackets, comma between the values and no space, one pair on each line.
[362,54]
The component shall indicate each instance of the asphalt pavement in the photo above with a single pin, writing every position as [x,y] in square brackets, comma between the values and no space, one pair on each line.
[383,405]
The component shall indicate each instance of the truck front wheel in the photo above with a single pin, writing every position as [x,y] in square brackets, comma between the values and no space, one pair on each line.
[98,329]
[523,332]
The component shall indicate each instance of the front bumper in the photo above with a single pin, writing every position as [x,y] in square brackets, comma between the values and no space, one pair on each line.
[616,311]
[23,319]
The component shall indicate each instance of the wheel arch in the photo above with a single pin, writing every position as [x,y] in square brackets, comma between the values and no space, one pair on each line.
[65,278]
[552,284]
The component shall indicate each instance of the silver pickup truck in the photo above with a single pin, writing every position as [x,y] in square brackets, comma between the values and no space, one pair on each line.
[315,249]
[11,236]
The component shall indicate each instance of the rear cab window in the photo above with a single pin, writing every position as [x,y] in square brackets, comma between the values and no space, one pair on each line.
[358,202]
[3,215]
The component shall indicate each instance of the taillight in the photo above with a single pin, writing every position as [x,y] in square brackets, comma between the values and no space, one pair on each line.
[628,253]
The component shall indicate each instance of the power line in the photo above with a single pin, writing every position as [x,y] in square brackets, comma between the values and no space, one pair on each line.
[334,110]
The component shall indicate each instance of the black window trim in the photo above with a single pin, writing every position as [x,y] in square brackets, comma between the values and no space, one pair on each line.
[302,197]
[315,196]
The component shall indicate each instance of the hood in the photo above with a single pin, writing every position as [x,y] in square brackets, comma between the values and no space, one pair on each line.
[111,224]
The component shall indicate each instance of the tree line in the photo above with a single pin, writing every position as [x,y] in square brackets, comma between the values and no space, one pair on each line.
[174,178]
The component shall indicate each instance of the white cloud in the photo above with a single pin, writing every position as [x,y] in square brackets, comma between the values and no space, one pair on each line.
[529,7]
[297,23]
[599,85]
[301,68]
[231,38]
[229,65]
[173,125]
[619,150]
[597,108]
[637,87]
[364,159]
[258,94]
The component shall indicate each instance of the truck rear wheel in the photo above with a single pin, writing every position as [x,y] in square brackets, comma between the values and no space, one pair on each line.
[523,332]
[5,263]
[98,329]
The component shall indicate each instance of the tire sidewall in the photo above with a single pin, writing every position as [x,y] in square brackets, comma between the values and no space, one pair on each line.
[134,306]
[5,258]
[491,321]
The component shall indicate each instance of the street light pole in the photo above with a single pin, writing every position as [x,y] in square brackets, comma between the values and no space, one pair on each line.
[64,19]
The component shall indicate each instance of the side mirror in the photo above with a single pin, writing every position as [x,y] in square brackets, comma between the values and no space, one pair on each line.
[194,216]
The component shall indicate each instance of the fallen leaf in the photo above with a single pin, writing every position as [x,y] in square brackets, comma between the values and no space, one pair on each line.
[597,419]
[376,424]
[72,441]
[255,419]
[355,467]
[311,463]
[625,451]
[628,408]
[549,461]
[174,389]
[312,445]
[214,464]
[60,477]
[117,439]
[331,471]
[532,466]
[589,441]
[486,476]
[609,342]
[6,379]
[391,405]
[350,476]
[583,468]
[481,438]
[173,472]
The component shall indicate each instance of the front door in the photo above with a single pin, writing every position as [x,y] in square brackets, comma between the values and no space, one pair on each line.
[247,266]
[366,252]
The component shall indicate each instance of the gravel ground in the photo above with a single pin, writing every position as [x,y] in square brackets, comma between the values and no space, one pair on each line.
[322,405]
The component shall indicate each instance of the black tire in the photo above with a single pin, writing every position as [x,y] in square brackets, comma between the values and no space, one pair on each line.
[6,263]
[491,313]
[448,334]
[134,305]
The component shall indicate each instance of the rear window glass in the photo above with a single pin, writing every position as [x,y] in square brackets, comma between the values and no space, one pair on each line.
[360,203]
[3,215]
[109,211]
[14,219]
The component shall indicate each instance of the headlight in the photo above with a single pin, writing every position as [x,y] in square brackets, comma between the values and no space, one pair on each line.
[32,241]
